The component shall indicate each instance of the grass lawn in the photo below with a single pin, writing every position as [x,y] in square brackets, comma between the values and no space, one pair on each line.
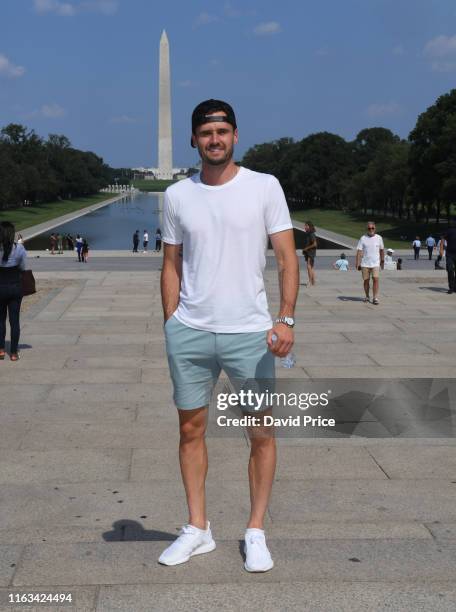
[152,185]
[27,216]
[354,225]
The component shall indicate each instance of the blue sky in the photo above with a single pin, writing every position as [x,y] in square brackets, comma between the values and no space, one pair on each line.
[88,68]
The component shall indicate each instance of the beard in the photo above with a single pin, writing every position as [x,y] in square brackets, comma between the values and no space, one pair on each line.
[219,161]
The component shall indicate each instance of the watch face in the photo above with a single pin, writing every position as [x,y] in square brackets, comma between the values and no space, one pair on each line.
[289,320]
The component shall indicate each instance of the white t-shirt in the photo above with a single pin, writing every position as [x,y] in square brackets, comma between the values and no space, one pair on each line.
[146,237]
[371,247]
[417,244]
[224,231]
[342,264]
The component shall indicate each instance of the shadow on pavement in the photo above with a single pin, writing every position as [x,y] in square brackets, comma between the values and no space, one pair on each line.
[436,289]
[127,530]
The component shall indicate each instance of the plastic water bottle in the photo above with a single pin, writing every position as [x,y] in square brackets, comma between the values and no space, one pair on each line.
[289,361]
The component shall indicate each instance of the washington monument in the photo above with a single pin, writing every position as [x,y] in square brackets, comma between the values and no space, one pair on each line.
[165,144]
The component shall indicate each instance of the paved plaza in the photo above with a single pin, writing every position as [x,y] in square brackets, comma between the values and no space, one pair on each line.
[90,484]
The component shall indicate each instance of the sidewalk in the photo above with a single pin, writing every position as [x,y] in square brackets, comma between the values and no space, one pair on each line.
[90,483]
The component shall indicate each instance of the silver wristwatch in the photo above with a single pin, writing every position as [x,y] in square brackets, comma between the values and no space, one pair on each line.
[288,321]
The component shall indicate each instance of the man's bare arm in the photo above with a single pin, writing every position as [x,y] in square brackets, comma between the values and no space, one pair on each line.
[382,258]
[358,258]
[288,267]
[171,278]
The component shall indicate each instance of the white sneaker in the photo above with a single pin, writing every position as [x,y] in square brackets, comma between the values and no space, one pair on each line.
[257,556]
[191,541]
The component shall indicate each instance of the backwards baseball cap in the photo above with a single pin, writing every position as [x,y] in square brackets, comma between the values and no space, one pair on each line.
[203,113]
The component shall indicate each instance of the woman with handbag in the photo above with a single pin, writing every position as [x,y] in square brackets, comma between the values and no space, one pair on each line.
[12,261]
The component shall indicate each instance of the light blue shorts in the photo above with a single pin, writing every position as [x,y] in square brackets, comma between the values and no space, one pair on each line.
[196,358]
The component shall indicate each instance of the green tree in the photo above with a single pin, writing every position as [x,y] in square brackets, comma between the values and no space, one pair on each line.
[382,186]
[433,156]
[367,144]
[317,170]
[269,156]
[43,170]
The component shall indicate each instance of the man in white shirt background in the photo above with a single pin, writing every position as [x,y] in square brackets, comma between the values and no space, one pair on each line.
[370,257]
[430,243]
[416,244]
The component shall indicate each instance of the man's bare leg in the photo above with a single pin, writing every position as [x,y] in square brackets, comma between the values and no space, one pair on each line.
[193,463]
[262,466]
[375,287]
[366,287]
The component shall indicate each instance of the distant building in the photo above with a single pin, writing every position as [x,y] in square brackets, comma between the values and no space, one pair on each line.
[154,174]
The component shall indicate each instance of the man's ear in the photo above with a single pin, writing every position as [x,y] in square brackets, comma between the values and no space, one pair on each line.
[236,136]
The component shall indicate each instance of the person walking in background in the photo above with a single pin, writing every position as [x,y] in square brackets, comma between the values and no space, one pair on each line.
[441,245]
[416,244]
[79,242]
[310,250]
[70,242]
[20,240]
[430,244]
[12,261]
[449,239]
[85,251]
[390,264]
[60,243]
[342,263]
[53,242]
[135,241]
[145,241]
[370,257]
[158,240]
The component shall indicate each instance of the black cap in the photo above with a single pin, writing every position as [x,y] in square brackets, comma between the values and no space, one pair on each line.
[203,114]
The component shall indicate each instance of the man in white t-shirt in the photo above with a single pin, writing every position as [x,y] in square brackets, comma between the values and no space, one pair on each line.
[215,235]
[370,257]
[416,244]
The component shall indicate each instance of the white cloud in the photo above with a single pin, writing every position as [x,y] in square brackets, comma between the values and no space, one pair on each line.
[64,9]
[383,109]
[7,68]
[441,51]
[70,9]
[204,19]
[441,46]
[123,119]
[267,27]
[48,111]
[52,111]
